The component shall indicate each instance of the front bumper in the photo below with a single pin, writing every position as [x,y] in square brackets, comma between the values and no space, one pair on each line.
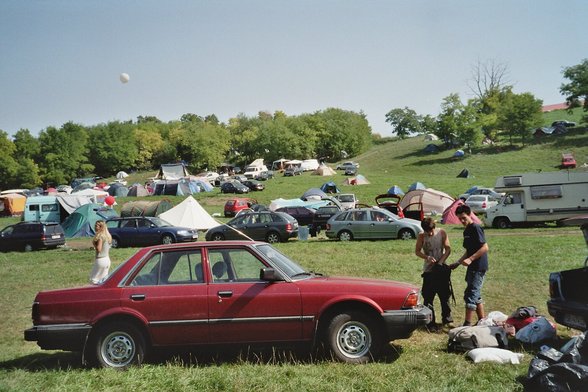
[68,337]
[400,324]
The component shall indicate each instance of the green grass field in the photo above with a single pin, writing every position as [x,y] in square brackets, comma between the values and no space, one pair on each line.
[520,262]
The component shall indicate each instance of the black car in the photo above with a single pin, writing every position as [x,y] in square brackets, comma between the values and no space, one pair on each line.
[293,171]
[351,170]
[233,187]
[322,215]
[254,185]
[29,236]
[303,215]
[563,123]
[262,226]
[146,231]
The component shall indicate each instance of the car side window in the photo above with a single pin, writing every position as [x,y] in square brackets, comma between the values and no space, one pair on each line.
[343,217]
[149,273]
[378,216]
[112,224]
[184,267]
[143,223]
[265,218]
[359,216]
[239,265]
[129,224]
[48,207]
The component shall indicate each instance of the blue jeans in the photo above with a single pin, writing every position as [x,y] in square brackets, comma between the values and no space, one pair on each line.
[472,295]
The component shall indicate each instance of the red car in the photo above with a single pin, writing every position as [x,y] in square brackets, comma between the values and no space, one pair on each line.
[233,206]
[568,161]
[215,293]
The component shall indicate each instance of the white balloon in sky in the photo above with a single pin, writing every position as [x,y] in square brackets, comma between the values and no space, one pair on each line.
[124,77]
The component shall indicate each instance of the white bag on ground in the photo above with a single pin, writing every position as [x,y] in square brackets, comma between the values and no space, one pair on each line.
[492,354]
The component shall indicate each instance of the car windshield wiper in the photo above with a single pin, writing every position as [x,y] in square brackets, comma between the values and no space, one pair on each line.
[309,273]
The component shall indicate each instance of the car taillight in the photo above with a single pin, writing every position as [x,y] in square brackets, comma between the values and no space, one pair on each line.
[35,313]
[289,227]
[328,226]
[411,301]
[43,237]
[483,204]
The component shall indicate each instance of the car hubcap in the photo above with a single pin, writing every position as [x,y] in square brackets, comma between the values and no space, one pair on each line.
[272,238]
[354,340]
[406,235]
[167,240]
[118,349]
[345,237]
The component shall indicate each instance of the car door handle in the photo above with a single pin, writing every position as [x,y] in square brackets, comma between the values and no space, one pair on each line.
[225,294]
[138,297]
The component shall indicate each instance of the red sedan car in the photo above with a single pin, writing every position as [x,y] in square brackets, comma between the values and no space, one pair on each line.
[214,293]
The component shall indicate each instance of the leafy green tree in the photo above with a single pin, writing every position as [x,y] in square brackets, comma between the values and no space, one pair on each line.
[576,90]
[190,117]
[150,145]
[519,114]
[8,165]
[404,121]
[202,145]
[456,124]
[64,153]
[112,148]
[28,173]
[27,146]
[341,130]
[428,124]
[144,119]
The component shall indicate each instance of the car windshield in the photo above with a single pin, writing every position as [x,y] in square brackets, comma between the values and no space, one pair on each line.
[346,198]
[159,222]
[278,259]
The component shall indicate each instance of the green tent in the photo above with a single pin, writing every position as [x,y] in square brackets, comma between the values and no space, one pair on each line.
[145,208]
[80,223]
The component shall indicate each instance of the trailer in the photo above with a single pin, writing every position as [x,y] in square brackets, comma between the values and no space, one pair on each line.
[538,198]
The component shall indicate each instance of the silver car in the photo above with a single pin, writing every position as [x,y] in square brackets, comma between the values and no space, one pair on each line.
[480,203]
[371,224]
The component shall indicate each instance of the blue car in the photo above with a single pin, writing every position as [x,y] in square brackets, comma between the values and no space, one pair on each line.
[146,231]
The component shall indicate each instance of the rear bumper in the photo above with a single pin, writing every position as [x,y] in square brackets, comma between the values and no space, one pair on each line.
[569,313]
[400,324]
[68,337]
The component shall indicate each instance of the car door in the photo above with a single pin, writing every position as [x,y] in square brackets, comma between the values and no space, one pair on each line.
[170,293]
[382,225]
[360,224]
[244,308]
[147,232]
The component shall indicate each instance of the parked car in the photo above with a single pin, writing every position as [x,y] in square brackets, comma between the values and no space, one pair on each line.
[209,176]
[372,224]
[233,187]
[347,200]
[568,290]
[568,161]
[263,226]
[146,230]
[480,203]
[293,171]
[218,293]
[254,185]
[322,216]
[233,206]
[479,190]
[265,175]
[347,164]
[239,177]
[351,171]
[303,215]
[30,236]
[563,123]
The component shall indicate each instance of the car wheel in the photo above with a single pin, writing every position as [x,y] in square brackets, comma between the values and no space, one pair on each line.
[406,234]
[501,223]
[272,237]
[28,247]
[217,237]
[167,239]
[345,236]
[353,337]
[119,345]
[115,242]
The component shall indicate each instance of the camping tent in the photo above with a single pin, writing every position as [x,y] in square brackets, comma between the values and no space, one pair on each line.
[138,190]
[96,195]
[465,173]
[145,208]
[458,154]
[416,185]
[330,187]
[431,137]
[313,193]
[189,213]
[431,148]
[80,223]
[172,171]
[357,180]
[395,190]
[12,204]
[324,170]
[121,174]
[449,217]
[117,189]
[433,201]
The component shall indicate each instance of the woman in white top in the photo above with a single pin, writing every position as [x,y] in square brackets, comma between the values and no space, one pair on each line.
[433,247]
[102,241]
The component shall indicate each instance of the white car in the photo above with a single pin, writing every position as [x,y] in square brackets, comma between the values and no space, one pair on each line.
[347,200]
[478,190]
[480,203]
[209,176]
[347,164]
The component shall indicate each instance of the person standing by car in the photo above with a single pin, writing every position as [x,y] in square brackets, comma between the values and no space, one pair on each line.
[101,242]
[433,247]
[476,259]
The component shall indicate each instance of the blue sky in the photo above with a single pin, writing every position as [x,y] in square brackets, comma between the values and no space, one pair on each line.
[61,60]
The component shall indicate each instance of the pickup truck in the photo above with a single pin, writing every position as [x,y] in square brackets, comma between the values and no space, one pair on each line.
[568,289]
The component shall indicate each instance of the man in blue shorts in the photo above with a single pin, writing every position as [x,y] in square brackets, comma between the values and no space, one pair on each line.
[476,259]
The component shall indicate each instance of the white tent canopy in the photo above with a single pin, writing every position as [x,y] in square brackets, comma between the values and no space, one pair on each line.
[431,199]
[189,213]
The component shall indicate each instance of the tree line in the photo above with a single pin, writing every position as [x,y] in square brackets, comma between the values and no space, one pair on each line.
[57,155]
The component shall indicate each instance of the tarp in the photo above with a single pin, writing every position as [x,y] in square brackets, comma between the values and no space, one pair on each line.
[189,213]
[138,190]
[330,187]
[12,204]
[145,208]
[357,180]
[70,203]
[433,201]
[395,190]
[172,171]
[96,195]
[416,185]
[313,192]
[279,203]
[80,223]
[324,170]
[449,217]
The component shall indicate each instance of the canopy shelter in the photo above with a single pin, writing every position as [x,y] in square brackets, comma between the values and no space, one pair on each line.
[189,213]
[145,208]
[432,201]
[449,217]
[81,222]
[172,171]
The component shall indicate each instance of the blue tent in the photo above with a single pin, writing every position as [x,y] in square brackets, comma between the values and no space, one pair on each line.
[416,185]
[330,187]
[395,190]
[431,148]
[313,192]
[458,154]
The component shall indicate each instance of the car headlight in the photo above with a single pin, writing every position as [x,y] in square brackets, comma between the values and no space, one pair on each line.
[184,232]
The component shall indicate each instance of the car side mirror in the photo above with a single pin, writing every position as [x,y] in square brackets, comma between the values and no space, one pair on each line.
[270,275]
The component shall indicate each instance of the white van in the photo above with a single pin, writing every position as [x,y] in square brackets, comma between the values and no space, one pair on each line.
[539,197]
[255,169]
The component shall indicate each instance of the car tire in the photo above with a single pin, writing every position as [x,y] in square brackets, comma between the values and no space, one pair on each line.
[501,223]
[406,234]
[28,247]
[272,237]
[353,337]
[217,237]
[345,235]
[119,345]
[115,242]
[167,239]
